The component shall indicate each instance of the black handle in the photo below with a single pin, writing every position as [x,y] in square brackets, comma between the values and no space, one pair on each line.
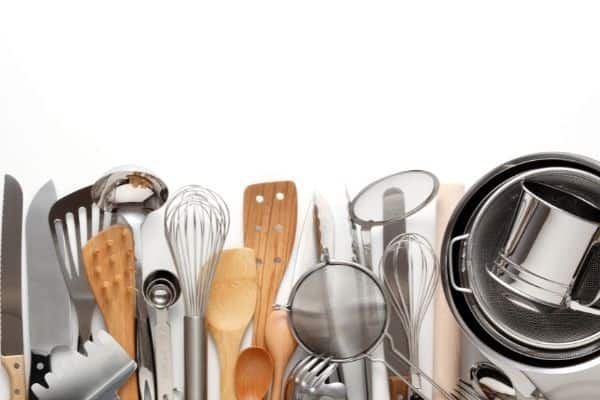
[40,366]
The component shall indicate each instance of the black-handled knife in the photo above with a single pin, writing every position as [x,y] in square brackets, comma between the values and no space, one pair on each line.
[49,305]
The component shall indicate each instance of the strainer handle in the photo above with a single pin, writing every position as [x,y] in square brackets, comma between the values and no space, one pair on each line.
[576,306]
[451,265]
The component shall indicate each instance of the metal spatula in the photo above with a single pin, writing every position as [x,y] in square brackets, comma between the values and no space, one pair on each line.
[73,220]
[96,376]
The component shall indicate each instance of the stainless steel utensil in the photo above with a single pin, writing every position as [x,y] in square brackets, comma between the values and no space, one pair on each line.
[359,321]
[540,333]
[393,208]
[50,323]
[132,192]
[423,274]
[550,240]
[196,224]
[95,376]
[492,383]
[418,188]
[11,325]
[161,290]
[310,374]
[464,391]
[73,220]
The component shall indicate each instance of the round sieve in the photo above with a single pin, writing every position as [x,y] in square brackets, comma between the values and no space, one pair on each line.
[339,311]
[539,331]
[418,187]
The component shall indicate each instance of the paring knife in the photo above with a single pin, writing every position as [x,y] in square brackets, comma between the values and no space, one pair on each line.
[11,331]
[393,207]
[49,305]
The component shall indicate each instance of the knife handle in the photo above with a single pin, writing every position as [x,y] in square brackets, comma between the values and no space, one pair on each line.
[398,388]
[15,368]
[40,366]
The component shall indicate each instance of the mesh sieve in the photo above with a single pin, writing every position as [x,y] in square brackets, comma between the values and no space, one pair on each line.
[547,333]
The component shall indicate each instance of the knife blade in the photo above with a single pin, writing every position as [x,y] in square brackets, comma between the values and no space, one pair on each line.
[393,207]
[11,325]
[50,323]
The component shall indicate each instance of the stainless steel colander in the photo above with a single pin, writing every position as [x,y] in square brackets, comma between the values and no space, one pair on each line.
[539,332]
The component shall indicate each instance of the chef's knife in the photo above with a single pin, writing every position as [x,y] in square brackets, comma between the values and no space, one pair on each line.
[11,326]
[49,305]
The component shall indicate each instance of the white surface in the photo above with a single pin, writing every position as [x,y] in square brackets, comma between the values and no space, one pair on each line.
[227,93]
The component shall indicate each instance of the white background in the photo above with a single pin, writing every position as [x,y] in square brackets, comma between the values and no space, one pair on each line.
[226,93]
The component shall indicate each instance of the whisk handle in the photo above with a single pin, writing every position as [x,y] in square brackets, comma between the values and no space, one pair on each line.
[195,358]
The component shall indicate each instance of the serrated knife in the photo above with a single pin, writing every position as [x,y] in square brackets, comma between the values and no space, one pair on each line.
[49,305]
[11,321]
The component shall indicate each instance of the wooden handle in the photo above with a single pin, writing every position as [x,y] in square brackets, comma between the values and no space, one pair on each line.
[228,344]
[110,267]
[15,368]
[398,389]
[447,336]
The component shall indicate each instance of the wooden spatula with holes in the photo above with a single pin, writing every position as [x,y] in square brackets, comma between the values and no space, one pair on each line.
[270,214]
[110,267]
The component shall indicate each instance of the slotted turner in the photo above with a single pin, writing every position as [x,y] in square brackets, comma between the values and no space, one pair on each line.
[93,377]
[270,213]
[73,220]
[110,267]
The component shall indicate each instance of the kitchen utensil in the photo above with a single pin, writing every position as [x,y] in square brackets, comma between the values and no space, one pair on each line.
[49,305]
[73,220]
[253,373]
[418,187]
[464,391]
[412,251]
[161,290]
[492,201]
[359,321]
[109,263]
[230,310]
[95,376]
[393,208]
[447,340]
[281,345]
[132,192]
[311,373]
[196,224]
[270,212]
[551,236]
[11,325]
[538,333]
[491,383]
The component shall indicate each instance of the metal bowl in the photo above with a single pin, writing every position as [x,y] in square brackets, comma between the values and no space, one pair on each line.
[506,332]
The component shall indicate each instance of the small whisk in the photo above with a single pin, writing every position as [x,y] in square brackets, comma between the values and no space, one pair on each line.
[410,302]
[196,225]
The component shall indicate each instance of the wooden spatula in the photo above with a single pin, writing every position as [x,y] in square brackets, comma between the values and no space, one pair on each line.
[270,213]
[230,310]
[110,267]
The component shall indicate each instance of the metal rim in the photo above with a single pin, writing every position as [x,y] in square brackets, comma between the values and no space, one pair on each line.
[479,303]
[290,308]
[370,223]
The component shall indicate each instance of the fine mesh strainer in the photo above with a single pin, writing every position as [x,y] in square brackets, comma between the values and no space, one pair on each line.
[540,332]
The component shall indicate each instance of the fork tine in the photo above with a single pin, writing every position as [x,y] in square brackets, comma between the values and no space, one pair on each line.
[323,375]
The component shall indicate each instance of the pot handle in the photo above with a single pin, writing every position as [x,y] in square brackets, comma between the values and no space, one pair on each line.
[576,306]
[451,265]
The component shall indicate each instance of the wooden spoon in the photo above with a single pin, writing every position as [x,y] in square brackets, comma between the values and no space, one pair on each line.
[281,344]
[253,374]
[230,310]
[110,268]
[270,213]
